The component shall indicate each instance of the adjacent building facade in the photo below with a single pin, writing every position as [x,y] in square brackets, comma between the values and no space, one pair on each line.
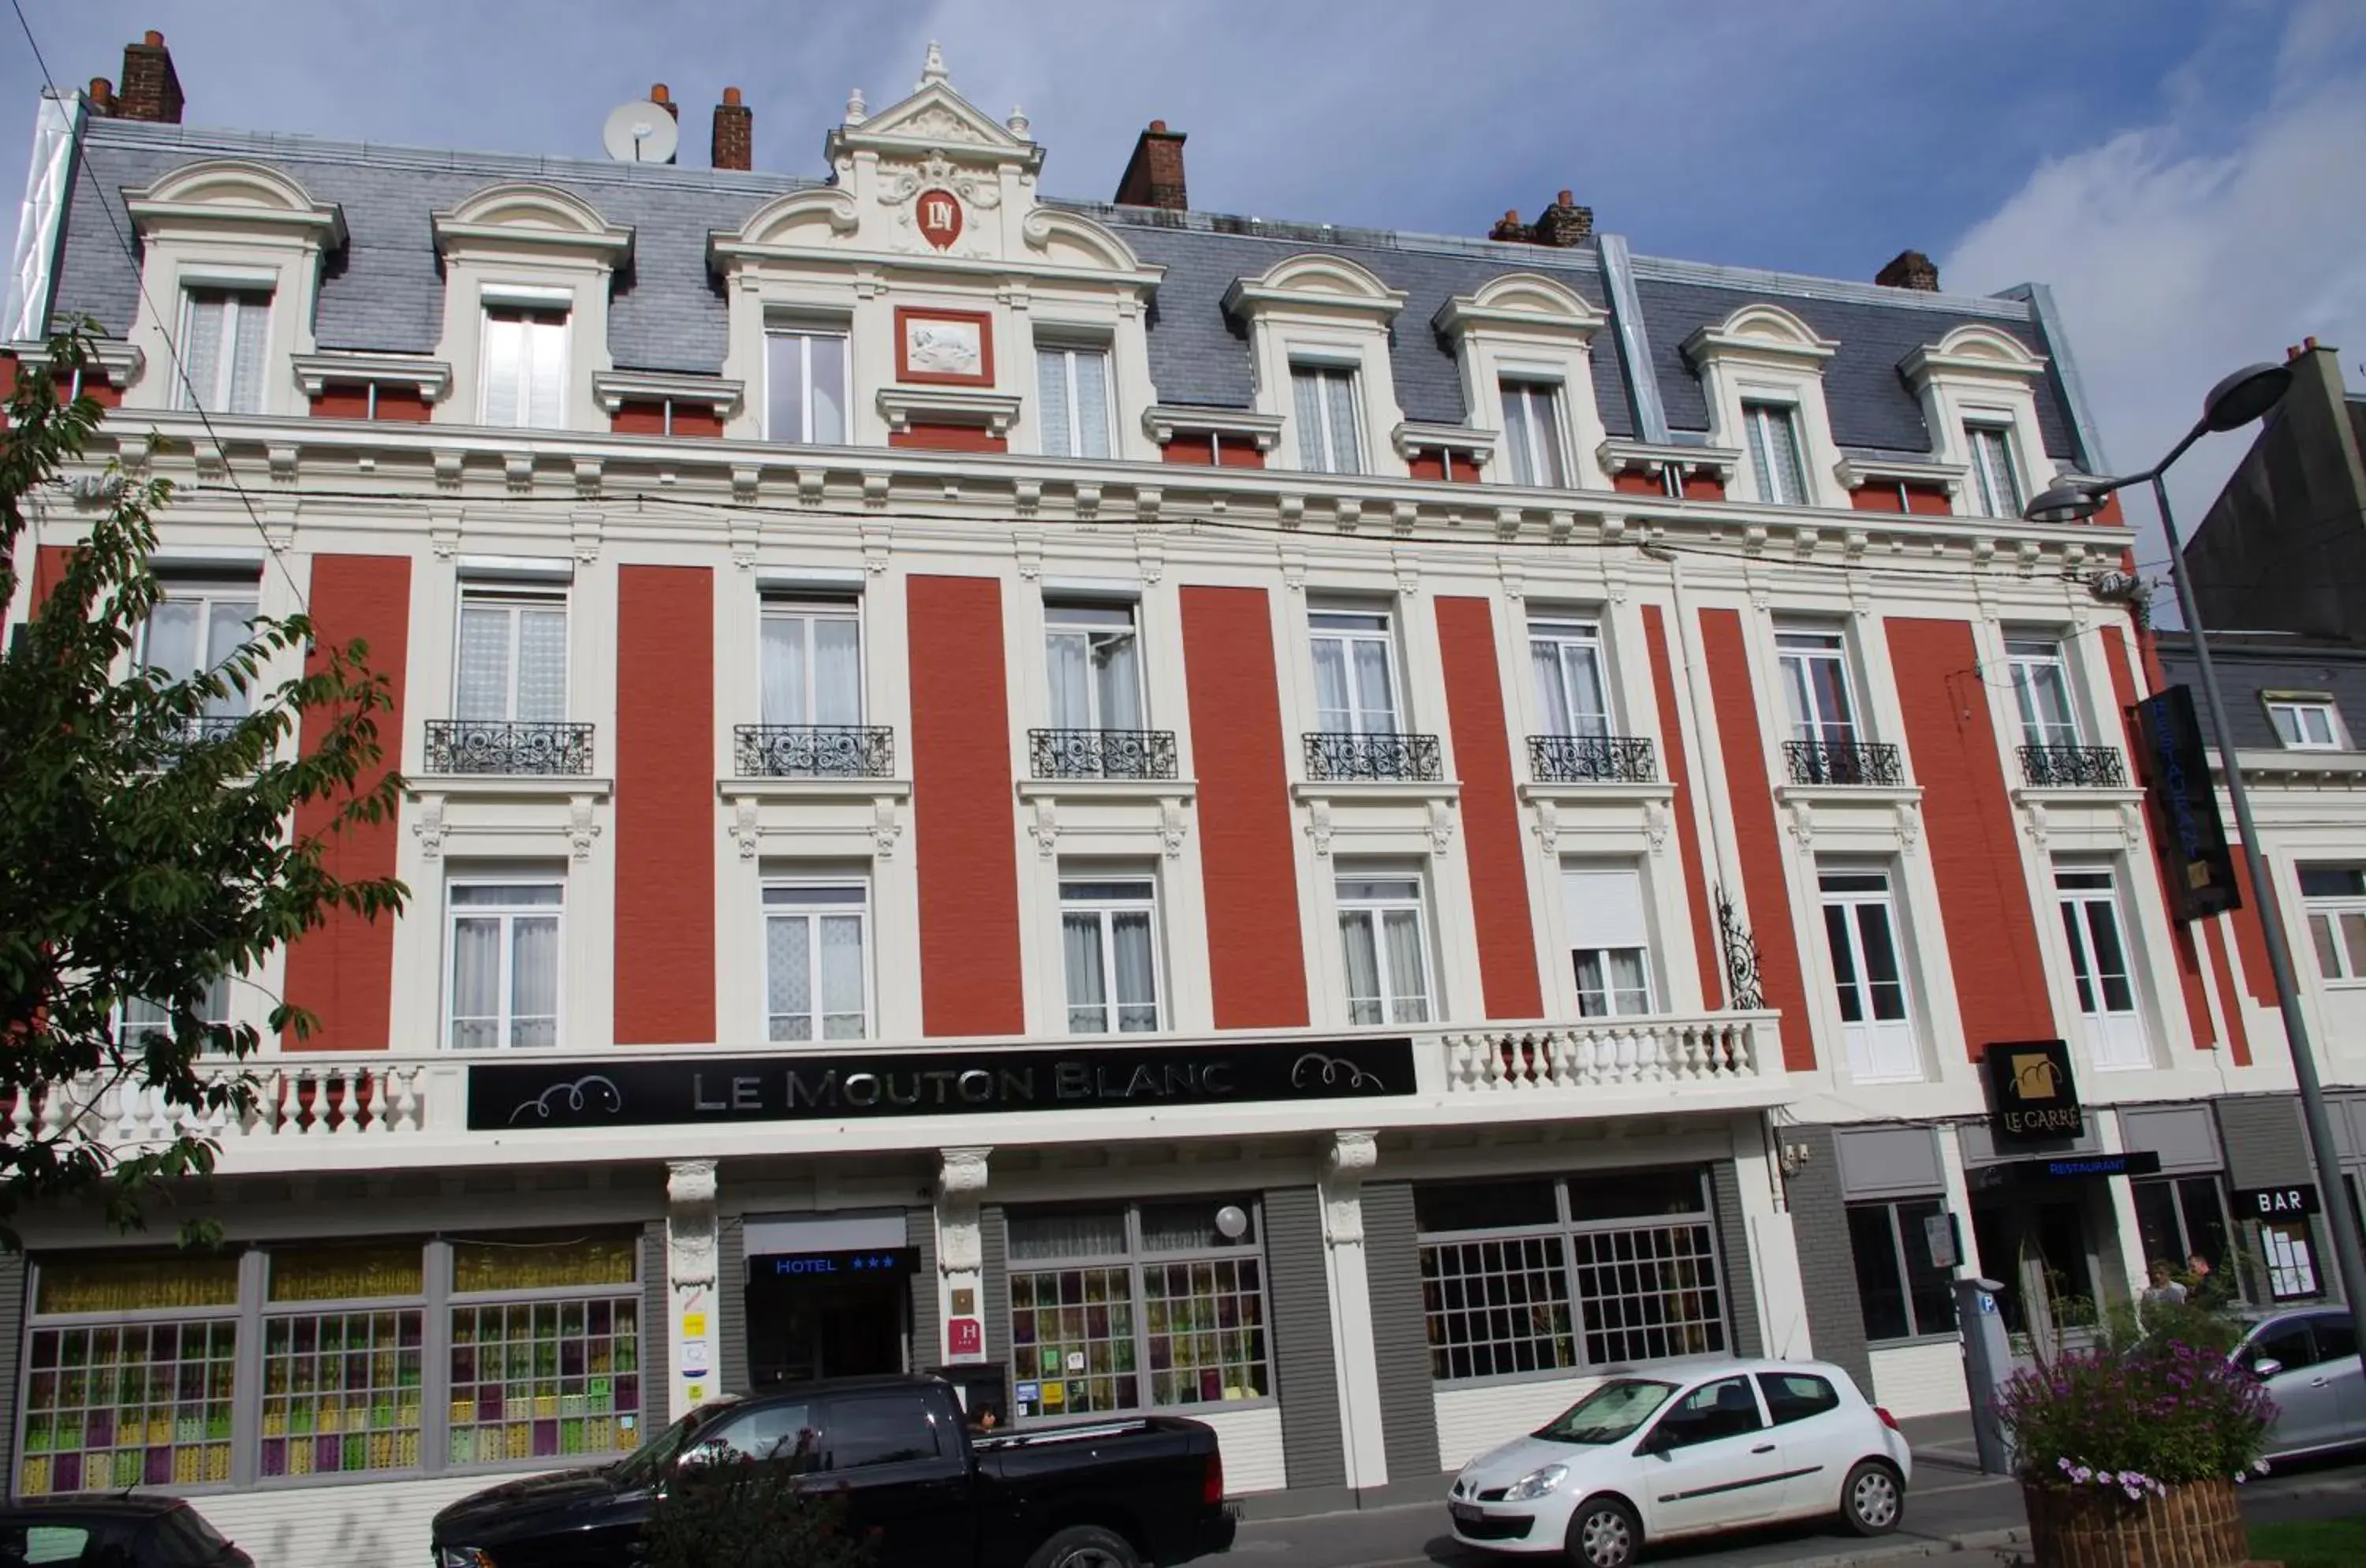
[1336,832]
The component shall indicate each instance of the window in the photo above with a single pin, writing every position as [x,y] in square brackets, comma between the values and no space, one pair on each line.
[1567,657]
[344,1360]
[1108,938]
[1542,1276]
[513,661]
[2287,1249]
[813,662]
[816,969]
[1387,947]
[525,366]
[1725,1408]
[143,1019]
[504,944]
[1995,487]
[2179,1217]
[1902,1295]
[1073,390]
[546,1349]
[1816,687]
[2041,692]
[224,333]
[1860,929]
[776,1432]
[892,1427]
[1532,433]
[1325,399]
[1094,659]
[2306,723]
[1772,431]
[2335,897]
[1609,940]
[1147,1306]
[805,387]
[1795,1396]
[1355,673]
[192,629]
[2100,968]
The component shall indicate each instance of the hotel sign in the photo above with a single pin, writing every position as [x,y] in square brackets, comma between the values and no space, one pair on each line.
[860,1086]
[2191,837]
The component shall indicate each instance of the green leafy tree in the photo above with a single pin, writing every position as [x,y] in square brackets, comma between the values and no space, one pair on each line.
[148,842]
[737,1514]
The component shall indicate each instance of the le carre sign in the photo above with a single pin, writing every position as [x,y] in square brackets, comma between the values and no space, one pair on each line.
[852,1086]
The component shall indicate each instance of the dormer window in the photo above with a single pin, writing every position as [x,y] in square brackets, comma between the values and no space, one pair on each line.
[1072,386]
[1325,400]
[224,335]
[2305,721]
[525,366]
[1996,487]
[1532,433]
[1772,431]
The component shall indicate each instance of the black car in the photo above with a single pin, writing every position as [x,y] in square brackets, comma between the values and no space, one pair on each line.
[923,1488]
[113,1532]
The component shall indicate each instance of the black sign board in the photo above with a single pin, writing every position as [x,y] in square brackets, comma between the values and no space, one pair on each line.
[2187,831]
[2033,1098]
[976,1081]
[2065,1167]
[2276,1202]
[880,1260]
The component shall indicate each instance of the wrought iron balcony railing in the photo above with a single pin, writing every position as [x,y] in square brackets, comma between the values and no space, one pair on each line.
[1336,754]
[1591,759]
[1102,753]
[814,751]
[491,746]
[2091,767]
[1844,762]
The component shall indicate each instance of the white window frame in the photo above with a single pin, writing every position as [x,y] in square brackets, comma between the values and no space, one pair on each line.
[1605,998]
[1095,635]
[1997,488]
[212,595]
[1533,424]
[794,899]
[1333,381]
[552,334]
[1066,354]
[2117,1038]
[131,1031]
[1757,414]
[2030,657]
[1879,1049]
[792,606]
[1565,634]
[237,299]
[515,597]
[1103,906]
[507,916]
[2329,920]
[2290,712]
[1348,637]
[1373,910]
[1795,647]
[805,334]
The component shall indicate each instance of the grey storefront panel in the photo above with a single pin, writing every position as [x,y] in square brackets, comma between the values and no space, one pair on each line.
[731,1305]
[994,1283]
[1884,1162]
[2265,1141]
[1819,1229]
[927,1341]
[656,1318]
[1400,1332]
[1305,1369]
[2184,1136]
[13,1274]
[1733,1246]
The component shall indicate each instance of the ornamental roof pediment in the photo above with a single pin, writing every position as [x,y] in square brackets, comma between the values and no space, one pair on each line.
[935,119]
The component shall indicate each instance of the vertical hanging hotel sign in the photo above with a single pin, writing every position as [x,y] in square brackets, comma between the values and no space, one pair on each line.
[2187,830]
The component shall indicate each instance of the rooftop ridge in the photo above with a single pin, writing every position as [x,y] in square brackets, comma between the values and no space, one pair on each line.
[1804,286]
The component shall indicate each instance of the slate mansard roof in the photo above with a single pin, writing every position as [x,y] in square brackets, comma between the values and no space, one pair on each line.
[383,291]
[2251,664]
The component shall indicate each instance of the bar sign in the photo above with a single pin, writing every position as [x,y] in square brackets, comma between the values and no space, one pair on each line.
[2276,1202]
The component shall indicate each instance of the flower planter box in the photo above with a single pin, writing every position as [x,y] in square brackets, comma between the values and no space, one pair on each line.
[2197,1526]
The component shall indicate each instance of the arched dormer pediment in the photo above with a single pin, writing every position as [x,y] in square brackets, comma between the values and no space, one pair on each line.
[221,192]
[800,218]
[1323,284]
[1070,239]
[1976,350]
[1759,330]
[537,216]
[1520,302]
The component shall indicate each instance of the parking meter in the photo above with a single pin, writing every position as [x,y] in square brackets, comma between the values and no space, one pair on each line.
[1988,1362]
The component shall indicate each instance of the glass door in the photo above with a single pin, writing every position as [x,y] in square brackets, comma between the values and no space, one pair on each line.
[2100,969]
[1354,673]
[1877,1026]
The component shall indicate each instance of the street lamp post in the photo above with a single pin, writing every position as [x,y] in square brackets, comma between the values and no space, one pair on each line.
[2241,398]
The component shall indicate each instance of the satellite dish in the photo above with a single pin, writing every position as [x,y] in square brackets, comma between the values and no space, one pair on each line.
[640,132]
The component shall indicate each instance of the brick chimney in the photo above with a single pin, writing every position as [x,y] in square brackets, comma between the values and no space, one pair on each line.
[1154,176]
[1564,224]
[662,96]
[1909,269]
[1509,227]
[151,90]
[735,133]
[102,95]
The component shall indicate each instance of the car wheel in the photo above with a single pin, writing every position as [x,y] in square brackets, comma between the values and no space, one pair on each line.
[1085,1546]
[1604,1533]
[1872,1502]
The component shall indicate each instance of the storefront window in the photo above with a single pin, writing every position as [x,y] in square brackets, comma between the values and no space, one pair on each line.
[1148,1306]
[549,1369]
[2182,1218]
[1528,1277]
[1901,1292]
[341,1389]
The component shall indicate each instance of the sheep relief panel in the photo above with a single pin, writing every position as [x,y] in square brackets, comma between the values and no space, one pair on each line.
[954,347]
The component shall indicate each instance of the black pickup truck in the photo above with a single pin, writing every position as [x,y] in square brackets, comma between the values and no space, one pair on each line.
[919,1484]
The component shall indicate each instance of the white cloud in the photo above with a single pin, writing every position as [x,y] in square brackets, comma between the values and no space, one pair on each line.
[2177,254]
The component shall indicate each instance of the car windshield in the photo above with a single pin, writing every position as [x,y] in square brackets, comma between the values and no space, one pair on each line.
[1609,1412]
[644,1465]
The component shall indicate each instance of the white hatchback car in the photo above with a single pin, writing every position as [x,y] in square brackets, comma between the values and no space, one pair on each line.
[1714,1446]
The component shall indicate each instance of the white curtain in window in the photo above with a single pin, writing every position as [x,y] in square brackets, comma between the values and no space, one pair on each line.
[783,668]
[1408,967]
[533,981]
[1051,402]
[1306,391]
[546,361]
[1373,692]
[542,666]
[837,670]
[1092,404]
[1068,662]
[1118,680]
[828,389]
[228,623]
[842,1004]
[1363,961]
[1775,452]
[788,974]
[484,662]
[171,648]
[784,388]
[1039,1237]
[1345,451]
[1080,942]
[246,355]
[504,369]
[477,981]
[1137,984]
[201,353]
[1333,708]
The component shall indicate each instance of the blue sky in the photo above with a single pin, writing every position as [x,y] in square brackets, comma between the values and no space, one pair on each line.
[2190,175]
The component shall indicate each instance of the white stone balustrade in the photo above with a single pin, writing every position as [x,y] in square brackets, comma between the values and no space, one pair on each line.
[1610,1053]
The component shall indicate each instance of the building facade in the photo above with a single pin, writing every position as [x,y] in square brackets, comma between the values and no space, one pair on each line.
[1332,831]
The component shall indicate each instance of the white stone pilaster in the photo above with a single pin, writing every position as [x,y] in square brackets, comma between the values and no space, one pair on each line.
[960,1255]
[694,1336]
[2129,1244]
[1773,1246]
[1350,1157]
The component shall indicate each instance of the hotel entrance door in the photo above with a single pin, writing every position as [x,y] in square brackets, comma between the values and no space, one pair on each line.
[828,1315]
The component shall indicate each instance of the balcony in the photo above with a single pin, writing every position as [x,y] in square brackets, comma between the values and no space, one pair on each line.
[528,751]
[1844,762]
[1102,753]
[813,750]
[2072,767]
[1591,759]
[1338,755]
